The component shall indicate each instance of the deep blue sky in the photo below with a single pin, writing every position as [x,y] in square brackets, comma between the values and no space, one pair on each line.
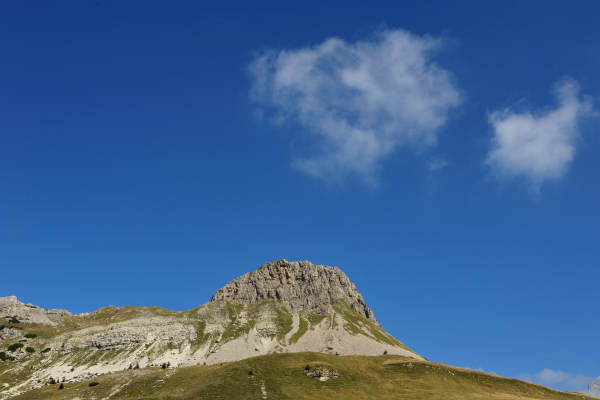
[134,170]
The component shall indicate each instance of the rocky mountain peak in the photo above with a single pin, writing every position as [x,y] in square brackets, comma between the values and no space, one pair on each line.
[300,285]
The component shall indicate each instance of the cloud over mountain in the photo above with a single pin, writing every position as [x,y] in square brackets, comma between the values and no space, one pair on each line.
[361,100]
[564,380]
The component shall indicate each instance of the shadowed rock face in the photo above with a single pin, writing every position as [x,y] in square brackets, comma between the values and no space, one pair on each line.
[300,285]
[595,388]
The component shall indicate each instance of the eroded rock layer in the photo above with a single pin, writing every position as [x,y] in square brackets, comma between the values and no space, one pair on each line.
[300,285]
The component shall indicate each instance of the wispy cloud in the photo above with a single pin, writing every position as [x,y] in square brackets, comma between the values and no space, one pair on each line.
[360,100]
[538,146]
[560,380]
[437,164]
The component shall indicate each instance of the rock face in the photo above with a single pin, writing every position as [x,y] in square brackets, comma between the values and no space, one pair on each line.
[300,285]
[595,388]
[10,306]
[10,333]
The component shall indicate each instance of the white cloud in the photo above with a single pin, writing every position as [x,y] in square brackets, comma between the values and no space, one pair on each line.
[538,147]
[437,164]
[362,100]
[595,388]
[560,380]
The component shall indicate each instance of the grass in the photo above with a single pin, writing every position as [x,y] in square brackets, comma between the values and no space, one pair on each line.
[283,321]
[356,324]
[283,377]
[237,325]
[201,336]
[302,328]
[314,319]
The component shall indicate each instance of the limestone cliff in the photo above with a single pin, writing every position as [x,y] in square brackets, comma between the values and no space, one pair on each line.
[301,286]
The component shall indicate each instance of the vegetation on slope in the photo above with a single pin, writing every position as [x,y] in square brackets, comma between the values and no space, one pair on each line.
[315,319]
[357,324]
[302,328]
[283,376]
[283,321]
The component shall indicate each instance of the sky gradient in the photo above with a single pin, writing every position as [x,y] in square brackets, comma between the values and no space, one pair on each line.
[445,157]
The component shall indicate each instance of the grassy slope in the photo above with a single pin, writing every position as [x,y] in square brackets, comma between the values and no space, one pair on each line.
[237,321]
[283,377]
[358,324]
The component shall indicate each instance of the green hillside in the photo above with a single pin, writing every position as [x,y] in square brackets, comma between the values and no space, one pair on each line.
[284,376]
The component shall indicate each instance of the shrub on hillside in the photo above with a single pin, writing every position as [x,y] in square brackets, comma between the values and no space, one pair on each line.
[29,349]
[92,384]
[30,335]
[14,346]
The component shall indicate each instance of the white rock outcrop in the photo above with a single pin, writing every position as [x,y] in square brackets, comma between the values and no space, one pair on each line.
[11,307]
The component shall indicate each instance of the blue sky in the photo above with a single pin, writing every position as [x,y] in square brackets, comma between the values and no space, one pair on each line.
[444,156]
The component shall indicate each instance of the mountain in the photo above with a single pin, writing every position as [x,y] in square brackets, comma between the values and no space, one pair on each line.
[287,330]
[280,307]
[595,388]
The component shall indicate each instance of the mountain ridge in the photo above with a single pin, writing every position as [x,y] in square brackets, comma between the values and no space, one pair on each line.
[280,307]
[269,331]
